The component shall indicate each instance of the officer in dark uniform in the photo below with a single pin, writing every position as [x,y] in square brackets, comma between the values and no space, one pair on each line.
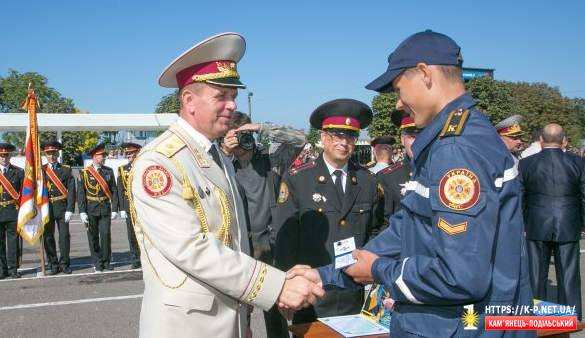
[98,205]
[383,152]
[61,187]
[554,213]
[11,178]
[325,201]
[395,177]
[457,244]
[130,150]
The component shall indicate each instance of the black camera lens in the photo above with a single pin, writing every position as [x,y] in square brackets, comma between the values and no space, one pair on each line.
[245,140]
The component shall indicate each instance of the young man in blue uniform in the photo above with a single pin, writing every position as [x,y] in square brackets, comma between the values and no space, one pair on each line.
[457,244]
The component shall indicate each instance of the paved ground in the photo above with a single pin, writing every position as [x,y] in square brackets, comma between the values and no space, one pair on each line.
[85,304]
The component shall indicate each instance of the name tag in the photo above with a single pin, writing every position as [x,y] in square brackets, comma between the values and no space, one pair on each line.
[342,250]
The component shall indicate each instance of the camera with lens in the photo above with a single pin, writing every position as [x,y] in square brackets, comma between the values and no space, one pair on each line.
[245,140]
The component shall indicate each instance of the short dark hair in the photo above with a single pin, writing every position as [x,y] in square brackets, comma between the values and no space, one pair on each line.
[238,119]
[451,73]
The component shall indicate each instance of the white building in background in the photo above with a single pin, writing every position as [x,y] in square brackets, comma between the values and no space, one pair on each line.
[118,127]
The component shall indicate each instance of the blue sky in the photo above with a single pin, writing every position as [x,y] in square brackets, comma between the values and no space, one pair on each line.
[107,55]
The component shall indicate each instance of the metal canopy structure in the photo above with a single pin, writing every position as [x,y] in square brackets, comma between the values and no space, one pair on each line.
[89,122]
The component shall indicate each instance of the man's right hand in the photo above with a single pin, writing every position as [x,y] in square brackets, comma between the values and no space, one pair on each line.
[230,142]
[305,271]
[84,218]
[299,292]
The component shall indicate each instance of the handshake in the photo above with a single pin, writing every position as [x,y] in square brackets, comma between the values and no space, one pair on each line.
[303,285]
[302,288]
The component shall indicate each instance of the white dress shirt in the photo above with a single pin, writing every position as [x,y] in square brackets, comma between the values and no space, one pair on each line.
[379,166]
[333,177]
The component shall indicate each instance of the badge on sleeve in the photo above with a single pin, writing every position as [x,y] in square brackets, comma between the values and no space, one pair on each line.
[459,189]
[156,181]
[283,193]
[452,229]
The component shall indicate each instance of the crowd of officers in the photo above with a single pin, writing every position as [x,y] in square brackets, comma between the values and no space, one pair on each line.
[99,199]
[301,209]
[297,207]
[282,186]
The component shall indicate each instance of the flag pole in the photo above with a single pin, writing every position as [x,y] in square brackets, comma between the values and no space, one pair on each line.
[42,254]
[34,201]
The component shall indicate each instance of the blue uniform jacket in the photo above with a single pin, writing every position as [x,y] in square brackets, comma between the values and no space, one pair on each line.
[458,240]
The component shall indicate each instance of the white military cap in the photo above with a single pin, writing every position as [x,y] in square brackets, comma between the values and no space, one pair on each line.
[510,126]
[212,60]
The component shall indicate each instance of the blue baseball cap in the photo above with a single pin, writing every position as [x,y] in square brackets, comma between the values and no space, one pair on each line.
[427,47]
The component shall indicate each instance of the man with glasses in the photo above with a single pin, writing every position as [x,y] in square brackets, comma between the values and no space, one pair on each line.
[326,201]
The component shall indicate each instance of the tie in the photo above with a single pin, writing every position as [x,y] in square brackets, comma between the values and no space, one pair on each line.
[338,184]
[213,152]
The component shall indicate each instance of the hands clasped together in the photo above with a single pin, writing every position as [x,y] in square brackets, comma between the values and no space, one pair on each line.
[303,285]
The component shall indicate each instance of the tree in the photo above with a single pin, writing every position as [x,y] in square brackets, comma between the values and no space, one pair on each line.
[494,98]
[13,91]
[383,106]
[169,104]
[313,137]
[542,104]
[76,143]
[538,103]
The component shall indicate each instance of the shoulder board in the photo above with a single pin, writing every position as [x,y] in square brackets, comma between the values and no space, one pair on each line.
[455,123]
[391,168]
[295,170]
[170,146]
[65,166]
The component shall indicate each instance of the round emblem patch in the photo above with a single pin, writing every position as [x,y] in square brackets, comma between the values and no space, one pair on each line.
[157,181]
[283,193]
[459,189]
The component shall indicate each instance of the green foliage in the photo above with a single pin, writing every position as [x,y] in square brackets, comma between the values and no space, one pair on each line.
[313,137]
[13,91]
[539,103]
[494,98]
[383,106]
[77,142]
[169,104]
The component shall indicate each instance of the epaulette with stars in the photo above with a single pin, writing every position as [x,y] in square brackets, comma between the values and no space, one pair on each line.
[455,123]
[295,170]
[391,168]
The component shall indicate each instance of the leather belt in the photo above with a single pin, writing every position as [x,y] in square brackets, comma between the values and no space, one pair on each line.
[97,199]
[7,203]
[58,198]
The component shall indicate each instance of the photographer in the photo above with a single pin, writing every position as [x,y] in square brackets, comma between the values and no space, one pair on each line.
[258,174]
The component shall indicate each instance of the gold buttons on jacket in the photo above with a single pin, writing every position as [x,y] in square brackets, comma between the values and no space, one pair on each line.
[342,222]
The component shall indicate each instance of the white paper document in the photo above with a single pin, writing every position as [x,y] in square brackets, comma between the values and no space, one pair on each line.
[354,325]
[343,252]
